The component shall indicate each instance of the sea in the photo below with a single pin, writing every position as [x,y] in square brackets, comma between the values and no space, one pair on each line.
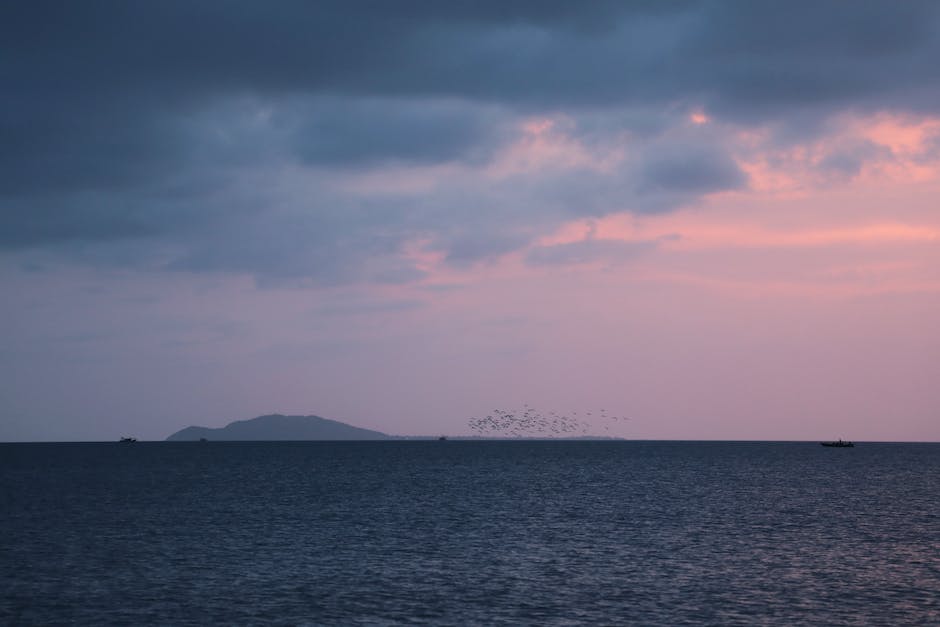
[469,533]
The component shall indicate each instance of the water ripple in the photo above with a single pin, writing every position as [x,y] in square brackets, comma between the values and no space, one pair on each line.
[470,533]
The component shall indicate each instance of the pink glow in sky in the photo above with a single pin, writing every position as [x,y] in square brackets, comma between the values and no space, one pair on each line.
[406,241]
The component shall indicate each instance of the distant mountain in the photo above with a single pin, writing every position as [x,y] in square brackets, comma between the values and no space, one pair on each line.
[280,427]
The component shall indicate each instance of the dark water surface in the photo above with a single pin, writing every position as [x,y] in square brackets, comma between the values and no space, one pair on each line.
[650,533]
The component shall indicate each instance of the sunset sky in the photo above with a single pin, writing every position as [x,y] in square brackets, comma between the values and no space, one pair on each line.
[719,219]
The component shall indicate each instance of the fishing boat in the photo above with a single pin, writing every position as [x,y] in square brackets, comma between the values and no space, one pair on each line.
[838,444]
[128,440]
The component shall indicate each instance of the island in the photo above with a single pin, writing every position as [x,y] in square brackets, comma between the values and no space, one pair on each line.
[279,427]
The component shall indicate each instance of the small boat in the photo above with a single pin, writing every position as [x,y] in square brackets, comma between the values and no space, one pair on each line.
[442,438]
[838,444]
[128,440]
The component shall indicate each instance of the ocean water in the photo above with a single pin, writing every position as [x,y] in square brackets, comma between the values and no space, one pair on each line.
[462,533]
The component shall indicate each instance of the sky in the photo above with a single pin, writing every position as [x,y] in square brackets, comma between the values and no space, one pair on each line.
[716,219]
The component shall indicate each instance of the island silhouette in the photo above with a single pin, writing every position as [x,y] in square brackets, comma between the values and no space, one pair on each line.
[280,427]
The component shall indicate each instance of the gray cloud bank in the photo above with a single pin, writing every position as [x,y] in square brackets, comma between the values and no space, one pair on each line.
[205,136]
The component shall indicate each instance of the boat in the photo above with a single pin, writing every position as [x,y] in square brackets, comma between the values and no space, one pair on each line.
[442,438]
[838,444]
[128,440]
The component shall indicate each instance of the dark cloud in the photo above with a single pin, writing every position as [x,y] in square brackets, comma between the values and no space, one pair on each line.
[323,239]
[846,160]
[164,123]
[544,54]
[465,249]
[691,171]
[368,132]
[772,59]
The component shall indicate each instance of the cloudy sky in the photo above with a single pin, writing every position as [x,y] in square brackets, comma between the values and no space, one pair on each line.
[719,219]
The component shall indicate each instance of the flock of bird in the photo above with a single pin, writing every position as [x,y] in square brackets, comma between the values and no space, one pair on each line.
[528,422]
